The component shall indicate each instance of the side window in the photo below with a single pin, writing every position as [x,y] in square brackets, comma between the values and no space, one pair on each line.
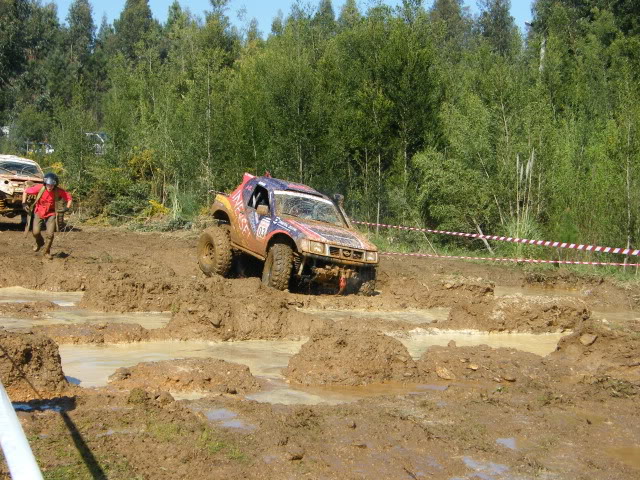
[260,196]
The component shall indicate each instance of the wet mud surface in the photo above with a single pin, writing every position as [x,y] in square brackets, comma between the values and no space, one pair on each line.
[452,370]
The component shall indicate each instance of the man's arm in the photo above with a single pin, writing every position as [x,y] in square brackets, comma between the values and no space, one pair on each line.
[66,196]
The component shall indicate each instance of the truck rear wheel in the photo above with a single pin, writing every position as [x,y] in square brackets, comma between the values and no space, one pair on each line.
[214,251]
[277,267]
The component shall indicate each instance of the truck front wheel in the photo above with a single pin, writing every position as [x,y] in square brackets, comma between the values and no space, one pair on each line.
[277,267]
[214,251]
[367,282]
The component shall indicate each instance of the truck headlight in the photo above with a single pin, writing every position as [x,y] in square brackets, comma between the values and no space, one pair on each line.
[371,256]
[313,247]
[317,247]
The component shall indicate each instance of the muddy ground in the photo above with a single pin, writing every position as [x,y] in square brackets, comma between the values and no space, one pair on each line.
[453,411]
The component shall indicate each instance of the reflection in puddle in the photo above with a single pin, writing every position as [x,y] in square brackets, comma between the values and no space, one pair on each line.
[25,407]
[21,295]
[220,414]
[508,442]
[225,418]
[627,455]
[410,316]
[419,340]
[485,470]
[238,425]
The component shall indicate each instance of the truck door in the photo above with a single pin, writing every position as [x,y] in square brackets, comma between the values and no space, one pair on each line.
[259,215]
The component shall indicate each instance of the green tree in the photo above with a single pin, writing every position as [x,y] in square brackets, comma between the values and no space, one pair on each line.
[133,26]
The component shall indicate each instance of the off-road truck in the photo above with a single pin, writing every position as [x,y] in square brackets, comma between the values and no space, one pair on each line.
[16,174]
[302,237]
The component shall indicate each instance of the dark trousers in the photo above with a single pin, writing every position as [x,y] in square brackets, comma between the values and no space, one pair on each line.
[49,224]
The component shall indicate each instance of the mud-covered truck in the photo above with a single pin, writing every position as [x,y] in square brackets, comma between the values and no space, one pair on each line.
[302,237]
[16,174]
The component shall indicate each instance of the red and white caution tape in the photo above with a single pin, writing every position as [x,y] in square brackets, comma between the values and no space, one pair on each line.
[514,260]
[541,243]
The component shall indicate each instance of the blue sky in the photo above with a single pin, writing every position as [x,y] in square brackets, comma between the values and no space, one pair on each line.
[263,10]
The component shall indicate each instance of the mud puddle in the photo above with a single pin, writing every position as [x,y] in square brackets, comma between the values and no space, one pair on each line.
[628,455]
[503,291]
[419,340]
[417,317]
[22,295]
[608,316]
[91,365]
[620,316]
[278,391]
[70,316]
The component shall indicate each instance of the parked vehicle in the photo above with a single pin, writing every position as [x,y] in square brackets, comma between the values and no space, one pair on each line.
[16,174]
[98,140]
[300,234]
[39,148]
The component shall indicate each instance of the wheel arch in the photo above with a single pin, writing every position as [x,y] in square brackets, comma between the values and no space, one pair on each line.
[281,237]
[221,216]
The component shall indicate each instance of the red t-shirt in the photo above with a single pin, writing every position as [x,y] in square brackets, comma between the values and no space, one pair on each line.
[46,206]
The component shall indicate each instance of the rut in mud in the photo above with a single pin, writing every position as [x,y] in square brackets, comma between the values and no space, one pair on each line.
[230,381]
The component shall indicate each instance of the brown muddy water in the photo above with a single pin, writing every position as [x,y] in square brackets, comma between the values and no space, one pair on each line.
[19,294]
[529,291]
[91,365]
[610,315]
[417,317]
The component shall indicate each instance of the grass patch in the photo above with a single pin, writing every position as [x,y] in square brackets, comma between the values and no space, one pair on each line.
[164,432]
[209,442]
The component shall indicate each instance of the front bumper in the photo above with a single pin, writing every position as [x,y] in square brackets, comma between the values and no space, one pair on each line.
[339,260]
[340,254]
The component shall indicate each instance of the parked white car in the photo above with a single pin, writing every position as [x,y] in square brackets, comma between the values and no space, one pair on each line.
[16,174]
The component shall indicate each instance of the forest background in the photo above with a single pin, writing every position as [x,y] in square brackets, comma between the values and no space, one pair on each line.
[420,115]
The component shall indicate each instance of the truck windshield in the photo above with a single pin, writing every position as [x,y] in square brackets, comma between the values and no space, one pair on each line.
[308,207]
[16,168]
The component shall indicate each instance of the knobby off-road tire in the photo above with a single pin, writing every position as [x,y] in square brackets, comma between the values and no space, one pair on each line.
[277,267]
[214,251]
[368,283]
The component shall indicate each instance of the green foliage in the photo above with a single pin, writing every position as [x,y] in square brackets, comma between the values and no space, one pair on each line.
[419,116]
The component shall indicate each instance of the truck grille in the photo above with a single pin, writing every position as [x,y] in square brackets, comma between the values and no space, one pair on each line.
[346,253]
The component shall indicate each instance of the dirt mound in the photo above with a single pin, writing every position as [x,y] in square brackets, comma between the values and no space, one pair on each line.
[187,375]
[517,313]
[152,288]
[215,308]
[94,333]
[595,349]
[30,367]
[484,363]
[346,357]
[27,309]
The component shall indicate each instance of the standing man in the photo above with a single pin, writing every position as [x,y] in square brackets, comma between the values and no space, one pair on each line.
[44,210]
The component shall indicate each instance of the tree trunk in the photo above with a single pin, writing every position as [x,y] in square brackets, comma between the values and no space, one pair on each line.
[628,188]
[379,191]
[484,240]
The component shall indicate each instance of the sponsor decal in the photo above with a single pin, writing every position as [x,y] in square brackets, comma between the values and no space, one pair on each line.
[278,222]
[238,211]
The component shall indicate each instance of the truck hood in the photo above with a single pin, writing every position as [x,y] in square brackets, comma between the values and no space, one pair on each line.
[333,235]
